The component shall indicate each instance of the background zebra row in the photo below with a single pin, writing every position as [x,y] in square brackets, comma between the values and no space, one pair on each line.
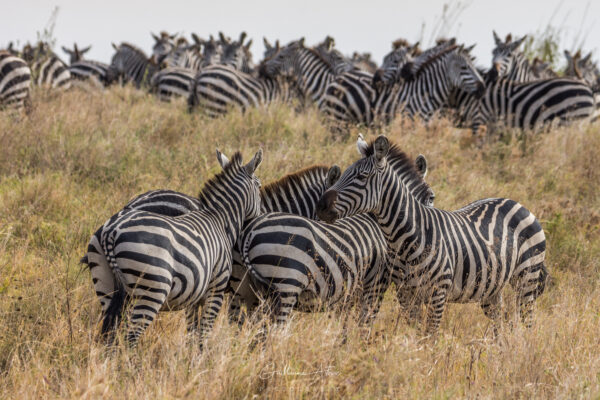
[15,81]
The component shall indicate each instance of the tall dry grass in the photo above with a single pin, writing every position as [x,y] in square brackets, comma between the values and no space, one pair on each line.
[79,157]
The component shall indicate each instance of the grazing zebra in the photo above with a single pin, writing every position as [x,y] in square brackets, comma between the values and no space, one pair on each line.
[47,70]
[467,255]
[300,263]
[15,81]
[217,89]
[131,64]
[86,70]
[428,83]
[172,263]
[311,71]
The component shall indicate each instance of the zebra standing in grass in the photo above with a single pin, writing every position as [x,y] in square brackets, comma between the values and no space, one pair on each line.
[86,70]
[295,193]
[468,255]
[131,64]
[428,83]
[15,81]
[47,69]
[172,263]
[217,89]
[301,263]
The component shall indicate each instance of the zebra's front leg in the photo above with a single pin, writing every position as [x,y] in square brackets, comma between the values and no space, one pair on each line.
[492,308]
[435,310]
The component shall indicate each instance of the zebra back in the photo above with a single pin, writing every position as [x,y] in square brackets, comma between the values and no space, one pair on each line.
[15,81]
[132,65]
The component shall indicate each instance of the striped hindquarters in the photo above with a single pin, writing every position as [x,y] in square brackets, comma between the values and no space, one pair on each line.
[173,82]
[15,81]
[51,72]
[349,98]
[534,104]
[217,89]
[93,71]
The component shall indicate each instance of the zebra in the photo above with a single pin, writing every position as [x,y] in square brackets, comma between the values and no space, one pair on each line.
[163,46]
[300,263]
[363,61]
[311,70]
[212,51]
[172,263]
[389,72]
[237,55]
[509,63]
[583,69]
[428,82]
[219,88]
[542,69]
[86,70]
[15,82]
[326,49]
[173,82]
[295,193]
[467,255]
[131,64]
[47,69]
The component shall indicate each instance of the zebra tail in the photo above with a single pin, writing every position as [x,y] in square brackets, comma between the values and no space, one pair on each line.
[259,281]
[119,297]
[193,96]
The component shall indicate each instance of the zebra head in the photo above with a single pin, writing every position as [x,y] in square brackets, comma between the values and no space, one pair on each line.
[236,182]
[360,188]
[583,69]
[283,61]
[163,46]
[389,72]
[237,54]
[76,54]
[504,55]
[270,50]
[462,73]
[212,53]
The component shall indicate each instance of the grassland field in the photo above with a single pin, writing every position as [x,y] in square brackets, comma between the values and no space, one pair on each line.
[79,157]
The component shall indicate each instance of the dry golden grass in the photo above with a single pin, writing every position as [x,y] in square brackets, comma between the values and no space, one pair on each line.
[80,157]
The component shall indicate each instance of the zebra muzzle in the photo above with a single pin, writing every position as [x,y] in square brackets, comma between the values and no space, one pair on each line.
[326,207]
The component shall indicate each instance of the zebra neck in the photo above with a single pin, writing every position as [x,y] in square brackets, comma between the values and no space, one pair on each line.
[521,70]
[426,94]
[313,74]
[230,214]
[399,213]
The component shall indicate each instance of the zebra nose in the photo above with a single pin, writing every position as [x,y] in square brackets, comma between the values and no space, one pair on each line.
[326,206]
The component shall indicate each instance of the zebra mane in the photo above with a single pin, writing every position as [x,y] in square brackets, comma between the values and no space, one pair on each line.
[214,183]
[321,57]
[414,69]
[134,48]
[401,161]
[295,177]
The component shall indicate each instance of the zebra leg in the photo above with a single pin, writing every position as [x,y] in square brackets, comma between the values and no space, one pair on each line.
[435,310]
[191,318]
[234,313]
[210,310]
[410,306]
[284,302]
[530,284]
[492,308]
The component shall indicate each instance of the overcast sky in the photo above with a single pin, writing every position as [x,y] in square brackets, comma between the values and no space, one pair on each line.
[368,25]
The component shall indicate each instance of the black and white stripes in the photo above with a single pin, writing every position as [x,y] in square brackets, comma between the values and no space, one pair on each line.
[15,81]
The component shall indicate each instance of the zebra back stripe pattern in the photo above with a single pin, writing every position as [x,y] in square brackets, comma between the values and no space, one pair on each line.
[15,81]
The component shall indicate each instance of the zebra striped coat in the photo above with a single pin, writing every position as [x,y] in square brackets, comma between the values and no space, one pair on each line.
[131,64]
[428,84]
[300,263]
[173,82]
[462,256]
[171,263]
[51,72]
[218,89]
[15,81]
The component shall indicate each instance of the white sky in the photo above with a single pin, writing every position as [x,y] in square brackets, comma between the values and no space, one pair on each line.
[368,25]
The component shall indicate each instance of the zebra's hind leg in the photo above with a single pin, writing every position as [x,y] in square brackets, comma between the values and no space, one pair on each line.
[492,308]
[210,310]
[530,284]
[435,310]
[191,318]
[284,302]
[145,308]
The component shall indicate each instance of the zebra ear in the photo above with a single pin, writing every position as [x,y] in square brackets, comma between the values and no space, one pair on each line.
[85,50]
[301,42]
[248,45]
[517,43]
[255,162]
[333,175]
[196,39]
[115,46]
[69,52]
[222,159]
[381,147]
[568,55]
[362,145]
[267,44]
[497,39]
[156,38]
[421,163]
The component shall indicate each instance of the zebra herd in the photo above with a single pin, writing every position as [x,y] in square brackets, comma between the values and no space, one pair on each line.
[218,74]
[316,239]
